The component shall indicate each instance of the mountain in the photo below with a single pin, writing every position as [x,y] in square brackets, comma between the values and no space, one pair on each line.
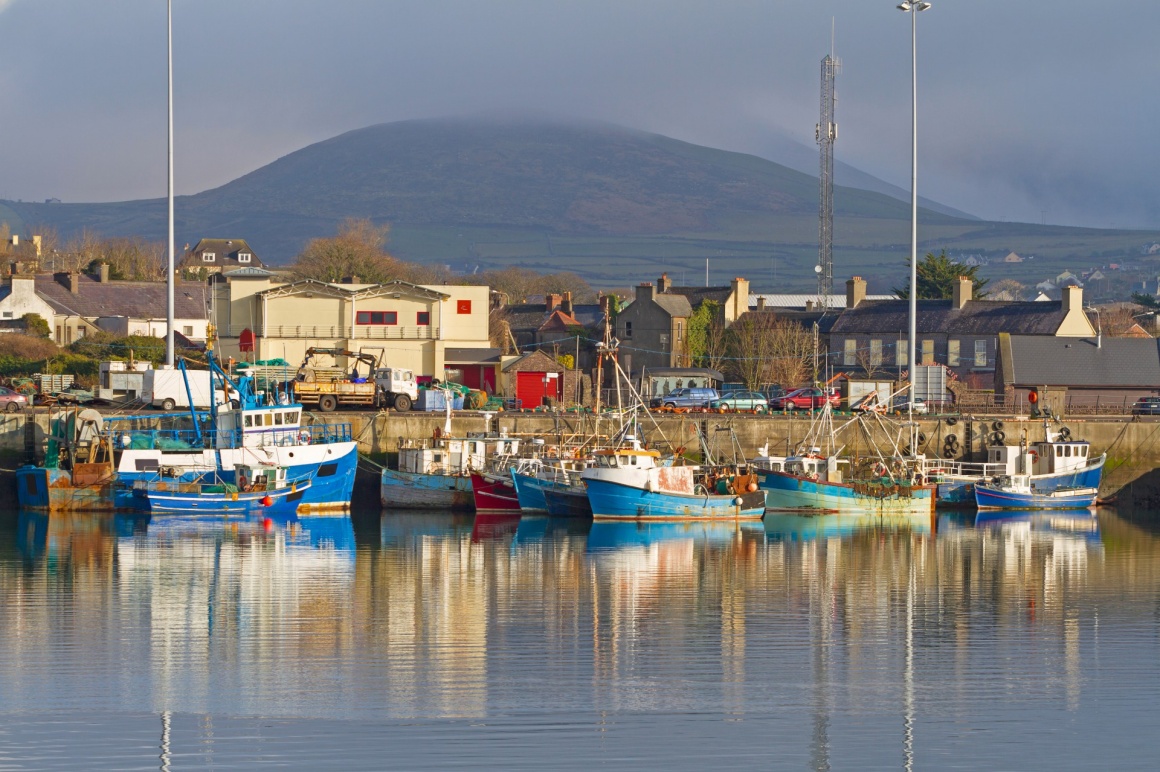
[614,204]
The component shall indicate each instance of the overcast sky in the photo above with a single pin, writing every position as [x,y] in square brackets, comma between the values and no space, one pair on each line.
[1028,109]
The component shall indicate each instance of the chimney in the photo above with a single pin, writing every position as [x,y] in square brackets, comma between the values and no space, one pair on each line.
[103,273]
[644,291]
[551,302]
[15,239]
[17,267]
[36,245]
[740,289]
[1072,299]
[70,280]
[761,302]
[605,302]
[855,291]
[566,303]
[809,305]
[962,292]
[663,283]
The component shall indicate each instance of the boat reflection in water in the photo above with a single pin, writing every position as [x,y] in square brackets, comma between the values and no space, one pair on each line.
[809,527]
[1077,522]
[609,536]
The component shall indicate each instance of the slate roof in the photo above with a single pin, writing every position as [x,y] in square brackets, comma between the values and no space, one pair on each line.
[558,321]
[1079,362]
[698,295]
[225,254]
[804,319]
[798,301]
[133,299]
[977,317]
[675,305]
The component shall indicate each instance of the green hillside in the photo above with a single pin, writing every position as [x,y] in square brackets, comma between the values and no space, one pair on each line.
[613,204]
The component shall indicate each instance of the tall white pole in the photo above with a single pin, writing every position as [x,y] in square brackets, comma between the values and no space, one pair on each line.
[913,200]
[169,264]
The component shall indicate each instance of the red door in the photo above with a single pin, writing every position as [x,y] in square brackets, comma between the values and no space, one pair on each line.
[530,389]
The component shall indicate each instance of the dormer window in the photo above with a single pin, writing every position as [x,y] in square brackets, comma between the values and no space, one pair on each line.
[208,257]
[244,257]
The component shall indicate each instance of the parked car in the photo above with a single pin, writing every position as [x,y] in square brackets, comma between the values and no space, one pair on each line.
[741,400]
[808,398]
[694,397]
[1146,406]
[11,400]
[897,405]
[773,392]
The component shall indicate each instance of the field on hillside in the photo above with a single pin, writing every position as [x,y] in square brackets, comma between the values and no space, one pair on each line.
[779,253]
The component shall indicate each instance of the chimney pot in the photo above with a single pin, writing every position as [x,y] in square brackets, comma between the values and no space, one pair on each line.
[103,273]
[663,283]
[855,291]
[566,303]
[963,291]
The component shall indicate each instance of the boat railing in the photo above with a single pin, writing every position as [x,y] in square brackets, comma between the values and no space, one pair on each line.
[965,468]
[188,439]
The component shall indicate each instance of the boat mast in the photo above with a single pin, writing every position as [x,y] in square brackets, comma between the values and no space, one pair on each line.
[169,264]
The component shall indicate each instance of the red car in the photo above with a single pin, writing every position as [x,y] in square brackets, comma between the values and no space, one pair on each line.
[808,398]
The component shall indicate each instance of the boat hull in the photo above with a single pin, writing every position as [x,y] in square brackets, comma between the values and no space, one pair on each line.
[494,497]
[53,490]
[568,502]
[989,497]
[959,490]
[408,490]
[786,492]
[160,500]
[530,492]
[331,468]
[615,501]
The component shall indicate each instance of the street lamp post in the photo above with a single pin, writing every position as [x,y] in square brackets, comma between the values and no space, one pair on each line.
[913,7]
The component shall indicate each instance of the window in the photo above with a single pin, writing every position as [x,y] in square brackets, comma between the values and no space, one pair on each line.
[664,338]
[902,350]
[875,352]
[249,421]
[7,314]
[423,317]
[628,329]
[244,257]
[928,352]
[463,306]
[208,257]
[980,353]
[1058,451]
[269,419]
[679,325]
[952,353]
[377,317]
[849,351]
[187,330]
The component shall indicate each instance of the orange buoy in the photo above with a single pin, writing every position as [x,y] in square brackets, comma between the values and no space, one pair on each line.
[267,501]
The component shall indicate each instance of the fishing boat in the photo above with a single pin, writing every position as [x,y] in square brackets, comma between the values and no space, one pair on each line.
[814,481]
[494,494]
[436,474]
[262,489]
[79,473]
[1055,462]
[262,430]
[628,483]
[1018,492]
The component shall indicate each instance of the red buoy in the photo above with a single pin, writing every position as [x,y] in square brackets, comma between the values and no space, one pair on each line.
[267,501]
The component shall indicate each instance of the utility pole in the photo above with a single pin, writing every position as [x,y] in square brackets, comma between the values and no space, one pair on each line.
[826,132]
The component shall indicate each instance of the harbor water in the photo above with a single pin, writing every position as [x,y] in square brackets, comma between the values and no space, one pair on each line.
[440,641]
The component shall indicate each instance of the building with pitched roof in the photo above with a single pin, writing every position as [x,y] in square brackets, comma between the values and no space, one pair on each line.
[435,330]
[76,305]
[960,332]
[217,255]
[1071,372]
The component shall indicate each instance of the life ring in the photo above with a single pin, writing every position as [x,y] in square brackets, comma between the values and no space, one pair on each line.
[879,469]
[1034,456]
[304,436]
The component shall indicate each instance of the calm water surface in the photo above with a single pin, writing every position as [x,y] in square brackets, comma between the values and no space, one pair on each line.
[438,641]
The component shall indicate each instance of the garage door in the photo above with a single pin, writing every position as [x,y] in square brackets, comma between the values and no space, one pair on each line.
[530,388]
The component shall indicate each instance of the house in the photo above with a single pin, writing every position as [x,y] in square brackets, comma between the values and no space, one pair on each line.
[217,255]
[1012,258]
[1067,278]
[960,332]
[536,379]
[437,330]
[556,320]
[1085,371]
[652,327]
[76,305]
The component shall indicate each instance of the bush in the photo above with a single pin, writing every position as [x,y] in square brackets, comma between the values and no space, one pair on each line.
[35,326]
[103,346]
[26,347]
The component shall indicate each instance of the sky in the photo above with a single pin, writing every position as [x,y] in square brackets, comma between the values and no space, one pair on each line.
[1028,110]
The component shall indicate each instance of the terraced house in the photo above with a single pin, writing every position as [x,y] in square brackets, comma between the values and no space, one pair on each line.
[961,332]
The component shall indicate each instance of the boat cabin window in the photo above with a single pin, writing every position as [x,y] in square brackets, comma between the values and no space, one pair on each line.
[633,460]
[1067,450]
[277,419]
[292,416]
[437,457]
[249,420]
[1058,451]
[1083,450]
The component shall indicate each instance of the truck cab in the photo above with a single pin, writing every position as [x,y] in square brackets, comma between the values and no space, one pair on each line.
[397,387]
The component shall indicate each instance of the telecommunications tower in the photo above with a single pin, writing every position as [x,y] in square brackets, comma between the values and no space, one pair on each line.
[826,132]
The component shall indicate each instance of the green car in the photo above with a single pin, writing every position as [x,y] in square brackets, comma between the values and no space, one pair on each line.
[741,400]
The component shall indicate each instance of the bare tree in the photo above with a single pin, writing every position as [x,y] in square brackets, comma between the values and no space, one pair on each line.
[749,349]
[791,353]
